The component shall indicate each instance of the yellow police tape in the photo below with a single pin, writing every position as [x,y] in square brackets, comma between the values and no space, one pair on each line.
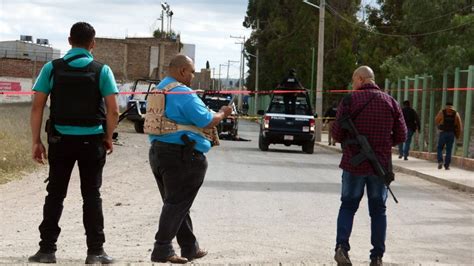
[253,117]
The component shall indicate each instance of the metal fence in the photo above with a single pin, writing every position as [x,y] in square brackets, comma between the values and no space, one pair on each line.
[428,95]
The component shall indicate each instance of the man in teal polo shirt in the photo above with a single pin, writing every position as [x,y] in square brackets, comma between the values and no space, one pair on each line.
[178,163]
[83,116]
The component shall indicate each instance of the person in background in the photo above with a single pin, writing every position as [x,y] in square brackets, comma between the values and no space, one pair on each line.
[450,127]
[413,124]
[329,118]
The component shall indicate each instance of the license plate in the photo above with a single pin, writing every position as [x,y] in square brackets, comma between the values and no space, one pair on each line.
[288,137]
[305,129]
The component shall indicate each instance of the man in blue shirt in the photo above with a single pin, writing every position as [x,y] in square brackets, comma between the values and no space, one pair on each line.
[78,87]
[179,165]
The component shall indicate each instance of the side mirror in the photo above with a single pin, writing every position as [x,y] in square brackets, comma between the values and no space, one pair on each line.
[260,112]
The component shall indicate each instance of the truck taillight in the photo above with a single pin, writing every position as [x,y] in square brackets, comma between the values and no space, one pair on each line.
[311,125]
[266,122]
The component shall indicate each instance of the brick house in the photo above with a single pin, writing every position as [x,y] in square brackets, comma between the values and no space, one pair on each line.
[133,58]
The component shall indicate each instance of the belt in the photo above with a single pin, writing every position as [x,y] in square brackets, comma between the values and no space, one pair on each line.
[92,138]
[172,146]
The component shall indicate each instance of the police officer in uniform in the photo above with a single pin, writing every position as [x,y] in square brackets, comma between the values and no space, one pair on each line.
[83,116]
[178,162]
[450,125]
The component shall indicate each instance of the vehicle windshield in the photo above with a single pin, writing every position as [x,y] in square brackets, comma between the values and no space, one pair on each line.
[292,104]
[215,102]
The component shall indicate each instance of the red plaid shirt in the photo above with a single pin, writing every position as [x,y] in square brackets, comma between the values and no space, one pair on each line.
[381,122]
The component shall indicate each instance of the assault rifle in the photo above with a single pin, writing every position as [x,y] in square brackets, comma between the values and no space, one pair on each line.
[366,153]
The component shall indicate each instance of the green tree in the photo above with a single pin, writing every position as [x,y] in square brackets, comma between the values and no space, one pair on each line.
[287,33]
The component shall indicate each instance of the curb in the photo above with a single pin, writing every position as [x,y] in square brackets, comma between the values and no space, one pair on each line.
[431,178]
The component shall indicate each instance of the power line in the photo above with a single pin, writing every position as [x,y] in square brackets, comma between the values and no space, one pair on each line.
[207,25]
[394,35]
[431,19]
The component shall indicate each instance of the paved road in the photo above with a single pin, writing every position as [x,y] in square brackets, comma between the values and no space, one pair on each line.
[254,207]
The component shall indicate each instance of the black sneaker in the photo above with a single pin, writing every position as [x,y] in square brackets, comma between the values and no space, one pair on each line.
[102,258]
[446,167]
[400,156]
[342,256]
[41,257]
[440,165]
[377,261]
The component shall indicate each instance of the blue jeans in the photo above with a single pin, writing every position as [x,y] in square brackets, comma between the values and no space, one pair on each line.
[404,148]
[352,192]
[445,138]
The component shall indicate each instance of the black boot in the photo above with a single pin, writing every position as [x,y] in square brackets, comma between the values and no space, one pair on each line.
[377,261]
[102,258]
[41,257]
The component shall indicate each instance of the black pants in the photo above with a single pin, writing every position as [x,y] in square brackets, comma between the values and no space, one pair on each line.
[179,181]
[89,152]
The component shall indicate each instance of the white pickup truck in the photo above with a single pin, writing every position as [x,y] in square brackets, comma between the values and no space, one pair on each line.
[289,120]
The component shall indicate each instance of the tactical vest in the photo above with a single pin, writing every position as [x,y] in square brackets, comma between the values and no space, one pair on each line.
[448,121]
[156,122]
[75,97]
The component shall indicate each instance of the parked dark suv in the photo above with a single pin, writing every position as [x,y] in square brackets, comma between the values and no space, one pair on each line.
[215,101]
[289,119]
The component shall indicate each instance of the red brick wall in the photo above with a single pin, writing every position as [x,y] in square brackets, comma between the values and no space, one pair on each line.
[112,52]
[138,61]
[20,68]
[202,80]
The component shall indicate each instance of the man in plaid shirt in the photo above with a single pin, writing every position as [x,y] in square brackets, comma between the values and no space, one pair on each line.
[381,120]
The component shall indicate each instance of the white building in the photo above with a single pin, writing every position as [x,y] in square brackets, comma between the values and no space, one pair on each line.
[29,50]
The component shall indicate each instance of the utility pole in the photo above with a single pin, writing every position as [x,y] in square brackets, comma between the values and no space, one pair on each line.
[213,78]
[227,78]
[171,19]
[312,76]
[319,74]
[242,68]
[162,20]
[228,65]
[256,70]
[219,81]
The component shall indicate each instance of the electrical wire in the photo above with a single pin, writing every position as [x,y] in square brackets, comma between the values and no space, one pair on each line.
[335,12]
[431,19]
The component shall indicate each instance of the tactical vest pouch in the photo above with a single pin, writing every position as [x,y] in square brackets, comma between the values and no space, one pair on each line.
[156,123]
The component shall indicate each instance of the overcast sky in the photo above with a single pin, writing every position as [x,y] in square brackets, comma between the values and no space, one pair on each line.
[206,23]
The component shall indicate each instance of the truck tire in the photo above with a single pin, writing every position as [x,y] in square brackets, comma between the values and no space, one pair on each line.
[308,147]
[139,126]
[262,143]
